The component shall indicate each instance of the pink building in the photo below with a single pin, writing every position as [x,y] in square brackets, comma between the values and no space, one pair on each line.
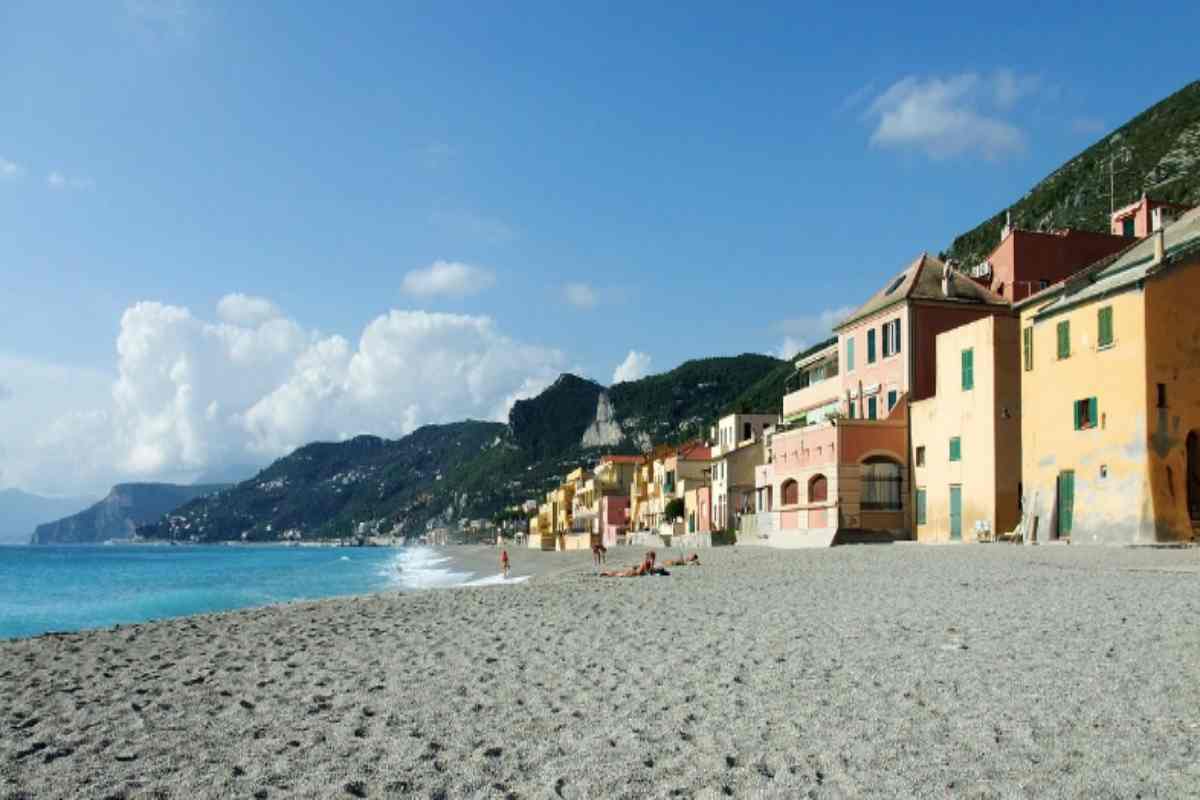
[1140,219]
[1025,262]
[843,472]
[614,518]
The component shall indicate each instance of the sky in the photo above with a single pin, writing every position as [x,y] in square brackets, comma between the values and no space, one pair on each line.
[228,229]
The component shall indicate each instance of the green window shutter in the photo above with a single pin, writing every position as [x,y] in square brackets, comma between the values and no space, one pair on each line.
[955,448]
[871,408]
[1106,326]
[850,355]
[968,369]
[1027,334]
[1064,339]
[1093,417]
[920,506]
[871,346]
[896,337]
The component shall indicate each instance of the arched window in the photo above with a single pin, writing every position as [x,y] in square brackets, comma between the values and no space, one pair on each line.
[791,492]
[818,489]
[881,483]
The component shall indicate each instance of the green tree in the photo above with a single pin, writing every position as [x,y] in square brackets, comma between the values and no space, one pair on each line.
[674,509]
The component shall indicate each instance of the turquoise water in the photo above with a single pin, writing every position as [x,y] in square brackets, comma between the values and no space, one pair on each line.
[71,588]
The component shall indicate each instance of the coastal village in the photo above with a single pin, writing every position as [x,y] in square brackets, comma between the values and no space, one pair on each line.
[1050,393]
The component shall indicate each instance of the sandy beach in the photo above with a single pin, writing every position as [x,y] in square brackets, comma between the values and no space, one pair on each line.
[972,671]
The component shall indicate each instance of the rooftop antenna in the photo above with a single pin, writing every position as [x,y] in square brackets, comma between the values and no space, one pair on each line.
[1112,181]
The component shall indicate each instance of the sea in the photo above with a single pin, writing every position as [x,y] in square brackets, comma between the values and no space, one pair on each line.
[51,589]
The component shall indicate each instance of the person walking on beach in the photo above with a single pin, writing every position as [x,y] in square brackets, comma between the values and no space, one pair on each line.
[599,554]
[504,562]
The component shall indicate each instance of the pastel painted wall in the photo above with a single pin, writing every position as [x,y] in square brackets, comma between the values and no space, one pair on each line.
[986,420]
[888,374]
[1112,497]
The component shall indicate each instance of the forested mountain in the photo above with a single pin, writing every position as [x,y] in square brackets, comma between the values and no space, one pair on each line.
[1156,152]
[442,473]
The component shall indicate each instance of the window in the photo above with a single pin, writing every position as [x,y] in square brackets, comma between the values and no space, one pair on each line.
[896,284]
[921,455]
[955,448]
[881,483]
[871,346]
[1027,342]
[1162,395]
[1064,339]
[853,409]
[891,398]
[968,369]
[920,506]
[1104,337]
[791,493]
[891,338]
[1043,284]
[747,431]
[818,489]
[849,354]
[871,409]
[1127,227]
[1085,414]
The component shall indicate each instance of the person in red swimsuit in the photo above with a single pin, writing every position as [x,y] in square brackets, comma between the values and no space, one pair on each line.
[504,561]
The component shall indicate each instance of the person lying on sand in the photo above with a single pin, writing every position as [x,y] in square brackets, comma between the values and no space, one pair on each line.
[694,558]
[647,567]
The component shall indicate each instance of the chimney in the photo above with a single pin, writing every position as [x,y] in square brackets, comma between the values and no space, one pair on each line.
[947,282]
[1160,249]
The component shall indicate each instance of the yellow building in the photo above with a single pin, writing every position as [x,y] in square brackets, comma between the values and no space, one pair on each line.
[1111,397]
[966,438]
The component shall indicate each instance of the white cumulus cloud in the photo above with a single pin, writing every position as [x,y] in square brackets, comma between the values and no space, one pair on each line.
[805,331]
[581,295]
[636,365]
[10,169]
[951,116]
[447,278]
[246,310]
[193,394]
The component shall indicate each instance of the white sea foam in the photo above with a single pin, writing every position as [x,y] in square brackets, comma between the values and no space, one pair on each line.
[428,568]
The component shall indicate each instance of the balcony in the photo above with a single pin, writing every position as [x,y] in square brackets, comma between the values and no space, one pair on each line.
[814,395]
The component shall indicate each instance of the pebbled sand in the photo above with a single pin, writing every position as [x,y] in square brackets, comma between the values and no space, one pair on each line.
[972,671]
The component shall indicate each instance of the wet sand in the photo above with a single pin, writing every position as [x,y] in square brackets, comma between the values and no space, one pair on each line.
[976,671]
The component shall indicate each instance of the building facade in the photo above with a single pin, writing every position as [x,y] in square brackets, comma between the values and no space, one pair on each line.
[966,439]
[1111,395]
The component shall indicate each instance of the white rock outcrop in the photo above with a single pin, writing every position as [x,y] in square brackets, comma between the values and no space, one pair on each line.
[604,430]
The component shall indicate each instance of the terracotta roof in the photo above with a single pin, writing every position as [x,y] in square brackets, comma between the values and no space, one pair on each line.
[615,459]
[922,280]
[695,451]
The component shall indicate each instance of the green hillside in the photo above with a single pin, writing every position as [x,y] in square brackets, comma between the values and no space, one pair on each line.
[1156,152]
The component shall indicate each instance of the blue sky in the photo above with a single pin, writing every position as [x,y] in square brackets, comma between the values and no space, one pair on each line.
[419,213]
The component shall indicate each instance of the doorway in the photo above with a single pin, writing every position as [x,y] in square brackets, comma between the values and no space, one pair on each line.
[1193,478]
[1066,503]
[956,513]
